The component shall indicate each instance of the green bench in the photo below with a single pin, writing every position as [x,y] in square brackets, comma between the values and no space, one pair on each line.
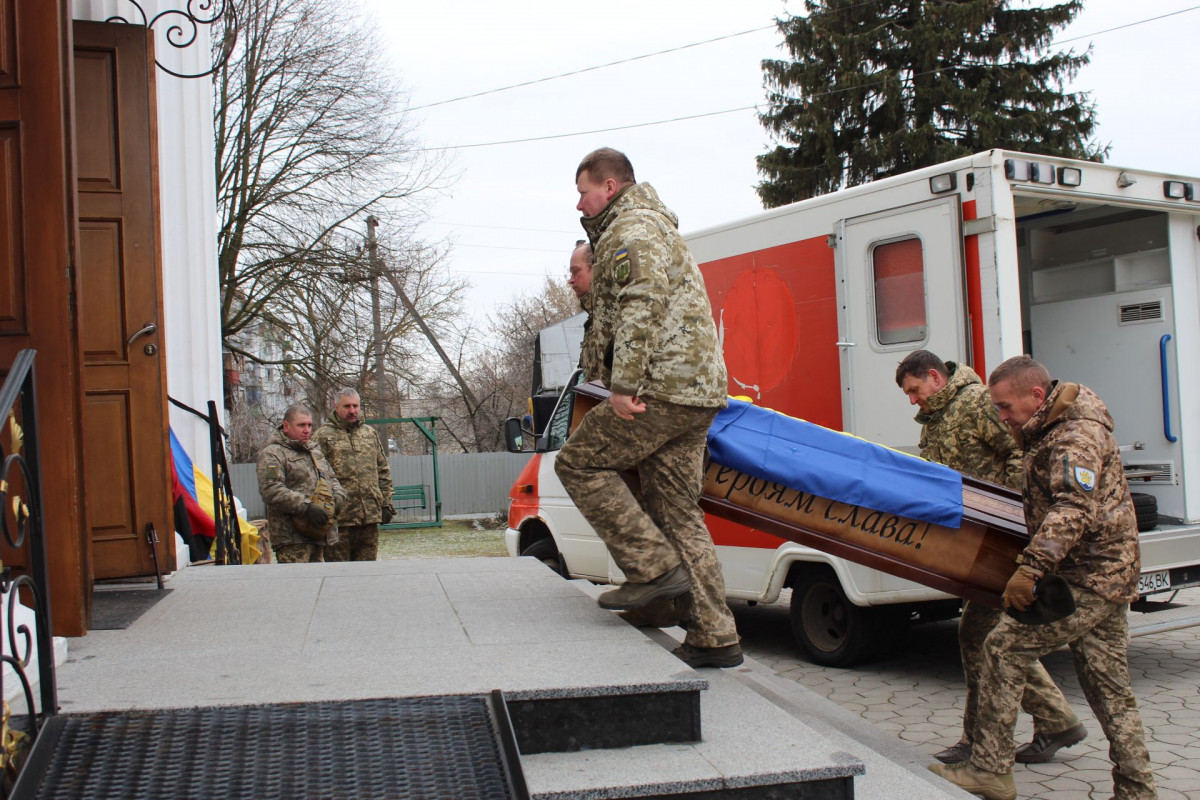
[410,497]
[404,497]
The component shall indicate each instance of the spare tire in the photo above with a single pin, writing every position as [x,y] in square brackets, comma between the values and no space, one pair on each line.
[1146,508]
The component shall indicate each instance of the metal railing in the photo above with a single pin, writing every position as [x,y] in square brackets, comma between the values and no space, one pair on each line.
[22,526]
[225,518]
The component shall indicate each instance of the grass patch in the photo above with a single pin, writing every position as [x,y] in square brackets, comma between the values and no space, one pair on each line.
[457,538]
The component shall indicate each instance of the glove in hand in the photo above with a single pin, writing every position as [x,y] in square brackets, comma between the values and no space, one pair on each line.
[1019,592]
[315,515]
[388,514]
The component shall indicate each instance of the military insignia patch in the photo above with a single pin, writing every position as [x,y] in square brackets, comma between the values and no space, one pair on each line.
[1085,478]
[621,262]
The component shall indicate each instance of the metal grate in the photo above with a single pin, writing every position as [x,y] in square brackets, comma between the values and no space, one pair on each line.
[1138,473]
[425,747]
[1141,312]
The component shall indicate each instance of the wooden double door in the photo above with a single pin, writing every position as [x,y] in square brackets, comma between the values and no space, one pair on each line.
[79,277]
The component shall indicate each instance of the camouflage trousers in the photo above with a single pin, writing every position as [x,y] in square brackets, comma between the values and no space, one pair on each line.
[356,543]
[298,553]
[1041,697]
[1098,635]
[665,444]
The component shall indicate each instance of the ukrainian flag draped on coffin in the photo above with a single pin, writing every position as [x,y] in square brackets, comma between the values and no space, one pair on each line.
[827,463]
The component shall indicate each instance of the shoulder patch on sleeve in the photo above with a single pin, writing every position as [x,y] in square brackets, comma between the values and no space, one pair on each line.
[624,261]
[1085,478]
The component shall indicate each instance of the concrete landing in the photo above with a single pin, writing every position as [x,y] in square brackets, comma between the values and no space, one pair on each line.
[312,632]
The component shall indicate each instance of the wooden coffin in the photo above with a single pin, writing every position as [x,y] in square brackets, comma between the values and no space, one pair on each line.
[973,561]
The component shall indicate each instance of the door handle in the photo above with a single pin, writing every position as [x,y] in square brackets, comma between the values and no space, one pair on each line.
[844,344]
[145,330]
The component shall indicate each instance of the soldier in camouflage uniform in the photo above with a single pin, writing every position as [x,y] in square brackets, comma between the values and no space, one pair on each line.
[288,470]
[960,428]
[1082,526]
[653,342]
[358,460]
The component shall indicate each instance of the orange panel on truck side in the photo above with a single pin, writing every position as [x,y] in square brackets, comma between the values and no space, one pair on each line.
[776,310]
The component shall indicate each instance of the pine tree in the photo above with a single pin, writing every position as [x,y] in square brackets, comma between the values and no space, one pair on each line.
[879,87]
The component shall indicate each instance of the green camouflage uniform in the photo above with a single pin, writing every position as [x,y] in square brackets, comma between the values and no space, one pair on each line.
[1082,525]
[651,336]
[287,476]
[963,431]
[357,458]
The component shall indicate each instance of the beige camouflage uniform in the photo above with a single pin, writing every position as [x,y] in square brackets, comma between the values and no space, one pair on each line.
[651,336]
[357,458]
[1082,525]
[287,475]
[963,431]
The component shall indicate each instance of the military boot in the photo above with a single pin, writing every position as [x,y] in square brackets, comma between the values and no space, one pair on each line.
[671,583]
[988,785]
[1045,745]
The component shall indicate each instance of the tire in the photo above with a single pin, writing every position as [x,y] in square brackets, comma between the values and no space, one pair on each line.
[545,551]
[1145,506]
[831,630]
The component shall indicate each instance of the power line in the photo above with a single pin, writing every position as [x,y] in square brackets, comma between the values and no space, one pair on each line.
[524,140]
[598,130]
[590,69]
[1122,27]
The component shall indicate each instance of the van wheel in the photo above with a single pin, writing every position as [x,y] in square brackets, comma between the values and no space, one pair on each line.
[545,551]
[1146,508]
[831,630]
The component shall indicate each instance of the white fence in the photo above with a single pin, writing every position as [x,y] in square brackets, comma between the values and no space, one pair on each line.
[472,483]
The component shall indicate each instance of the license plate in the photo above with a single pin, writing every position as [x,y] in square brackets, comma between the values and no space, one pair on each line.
[1151,582]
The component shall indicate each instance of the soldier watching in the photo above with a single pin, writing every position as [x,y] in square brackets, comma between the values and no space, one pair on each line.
[358,459]
[1082,528]
[960,428]
[291,471]
[652,341]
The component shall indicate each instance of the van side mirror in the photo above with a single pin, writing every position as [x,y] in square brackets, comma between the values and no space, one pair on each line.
[514,435]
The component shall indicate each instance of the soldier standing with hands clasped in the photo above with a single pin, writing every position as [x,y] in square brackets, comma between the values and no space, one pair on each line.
[292,474]
[960,428]
[1083,529]
[652,341]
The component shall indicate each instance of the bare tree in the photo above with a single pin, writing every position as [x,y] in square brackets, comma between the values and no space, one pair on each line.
[498,377]
[332,340]
[309,138]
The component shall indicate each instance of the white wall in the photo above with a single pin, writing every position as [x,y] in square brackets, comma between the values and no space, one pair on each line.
[187,214]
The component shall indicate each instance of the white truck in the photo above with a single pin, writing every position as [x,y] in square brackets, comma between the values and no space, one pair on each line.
[1093,269]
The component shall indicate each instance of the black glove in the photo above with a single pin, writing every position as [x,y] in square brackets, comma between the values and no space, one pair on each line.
[315,515]
[388,513]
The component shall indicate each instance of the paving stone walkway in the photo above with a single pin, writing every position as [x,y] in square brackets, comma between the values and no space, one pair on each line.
[917,694]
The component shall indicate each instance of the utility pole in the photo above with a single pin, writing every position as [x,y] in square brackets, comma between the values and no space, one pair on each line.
[376,315]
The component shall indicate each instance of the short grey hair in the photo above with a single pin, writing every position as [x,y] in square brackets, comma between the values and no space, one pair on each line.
[345,392]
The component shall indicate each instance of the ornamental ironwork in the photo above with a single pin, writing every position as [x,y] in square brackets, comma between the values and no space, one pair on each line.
[180,27]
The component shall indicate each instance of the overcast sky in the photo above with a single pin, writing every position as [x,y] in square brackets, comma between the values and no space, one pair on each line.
[510,213]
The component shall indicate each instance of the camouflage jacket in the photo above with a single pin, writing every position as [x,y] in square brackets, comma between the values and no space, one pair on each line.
[963,431]
[287,475]
[358,460]
[1077,503]
[652,332]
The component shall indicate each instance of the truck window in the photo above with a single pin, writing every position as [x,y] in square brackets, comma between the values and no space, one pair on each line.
[898,273]
[560,424]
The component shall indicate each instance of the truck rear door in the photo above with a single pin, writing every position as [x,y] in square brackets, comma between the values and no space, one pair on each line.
[900,288]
